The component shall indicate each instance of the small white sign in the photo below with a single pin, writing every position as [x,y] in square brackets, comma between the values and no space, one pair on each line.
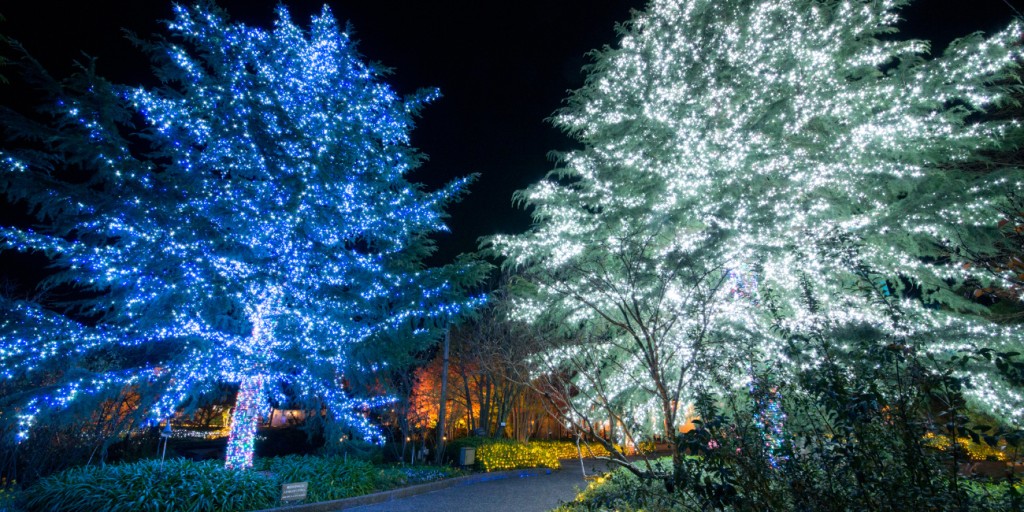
[294,491]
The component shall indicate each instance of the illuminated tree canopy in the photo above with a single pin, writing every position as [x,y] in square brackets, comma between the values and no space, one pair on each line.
[759,171]
[249,221]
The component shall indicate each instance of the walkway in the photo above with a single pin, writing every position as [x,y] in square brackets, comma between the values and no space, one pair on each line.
[532,491]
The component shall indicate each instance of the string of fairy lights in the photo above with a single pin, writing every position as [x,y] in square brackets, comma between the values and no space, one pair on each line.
[789,135]
[267,230]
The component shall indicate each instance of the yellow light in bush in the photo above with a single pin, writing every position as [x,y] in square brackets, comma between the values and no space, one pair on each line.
[976,451]
[499,455]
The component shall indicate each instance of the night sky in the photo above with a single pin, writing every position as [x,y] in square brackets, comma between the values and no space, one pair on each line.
[502,67]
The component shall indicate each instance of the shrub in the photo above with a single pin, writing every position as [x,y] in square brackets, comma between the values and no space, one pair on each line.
[8,493]
[567,449]
[334,478]
[401,476]
[502,454]
[451,450]
[645,447]
[620,490]
[330,478]
[354,449]
[153,485]
[976,451]
[182,485]
[861,432]
[453,446]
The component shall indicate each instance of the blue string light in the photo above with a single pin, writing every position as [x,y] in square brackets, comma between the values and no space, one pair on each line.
[267,230]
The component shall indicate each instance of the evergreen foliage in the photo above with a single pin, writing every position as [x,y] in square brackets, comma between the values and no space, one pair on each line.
[248,221]
[756,172]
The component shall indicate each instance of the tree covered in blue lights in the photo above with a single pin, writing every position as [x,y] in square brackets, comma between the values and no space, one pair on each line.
[248,221]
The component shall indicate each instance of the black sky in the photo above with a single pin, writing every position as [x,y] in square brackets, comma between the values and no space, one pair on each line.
[502,66]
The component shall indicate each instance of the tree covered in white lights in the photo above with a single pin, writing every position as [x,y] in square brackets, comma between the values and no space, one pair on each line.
[254,228]
[760,171]
[642,303]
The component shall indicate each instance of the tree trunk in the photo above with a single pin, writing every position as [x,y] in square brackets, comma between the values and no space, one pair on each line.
[508,397]
[670,415]
[469,399]
[403,427]
[243,423]
[611,427]
[444,395]
[485,405]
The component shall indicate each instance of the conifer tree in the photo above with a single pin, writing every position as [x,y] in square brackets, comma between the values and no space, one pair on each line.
[252,230]
[801,164]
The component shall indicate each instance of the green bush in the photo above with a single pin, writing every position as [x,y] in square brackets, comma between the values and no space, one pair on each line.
[330,478]
[401,476]
[501,454]
[567,449]
[8,494]
[505,454]
[621,491]
[182,485]
[354,449]
[451,449]
[152,485]
[859,433]
[334,478]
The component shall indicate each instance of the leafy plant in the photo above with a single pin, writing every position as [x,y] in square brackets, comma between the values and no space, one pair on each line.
[330,478]
[505,454]
[501,454]
[153,485]
[864,431]
[182,485]
[623,491]
[334,478]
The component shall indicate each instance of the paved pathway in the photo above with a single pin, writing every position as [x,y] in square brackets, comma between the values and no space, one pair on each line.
[533,491]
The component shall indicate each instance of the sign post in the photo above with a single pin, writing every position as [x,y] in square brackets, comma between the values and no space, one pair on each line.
[165,435]
[295,491]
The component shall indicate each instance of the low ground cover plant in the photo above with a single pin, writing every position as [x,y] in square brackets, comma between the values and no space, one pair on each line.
[152,485]
[183,485]
[334,478]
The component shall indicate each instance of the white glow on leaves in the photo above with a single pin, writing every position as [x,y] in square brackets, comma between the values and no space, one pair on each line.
[785,135]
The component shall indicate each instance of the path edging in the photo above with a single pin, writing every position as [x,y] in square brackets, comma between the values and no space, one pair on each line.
[405,492]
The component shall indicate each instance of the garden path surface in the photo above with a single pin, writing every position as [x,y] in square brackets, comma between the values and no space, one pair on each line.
[529,491]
